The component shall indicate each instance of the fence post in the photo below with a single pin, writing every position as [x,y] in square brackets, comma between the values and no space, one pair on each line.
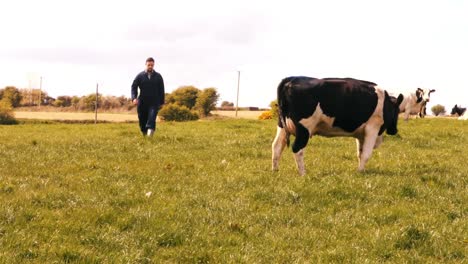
[238,84]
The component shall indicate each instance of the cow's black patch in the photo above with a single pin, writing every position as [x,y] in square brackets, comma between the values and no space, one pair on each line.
[351,102]
[390,114]
[302,138]
[419,95]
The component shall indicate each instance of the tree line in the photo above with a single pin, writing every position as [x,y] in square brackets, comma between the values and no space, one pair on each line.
[184,103]
[35,97]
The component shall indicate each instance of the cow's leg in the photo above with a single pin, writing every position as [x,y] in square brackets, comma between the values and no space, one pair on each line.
[422,112]
[278,146]
[302,137]
[407,112]
[367,146]
[406,116]
[359,145]
[299,157]
[378,141]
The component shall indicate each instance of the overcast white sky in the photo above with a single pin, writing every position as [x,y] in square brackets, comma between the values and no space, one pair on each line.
[401,45]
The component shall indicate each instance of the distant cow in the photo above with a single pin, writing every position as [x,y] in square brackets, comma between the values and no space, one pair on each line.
[415,103]
[461,112]
[333,107]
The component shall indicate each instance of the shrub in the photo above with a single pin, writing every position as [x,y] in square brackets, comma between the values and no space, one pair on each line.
[274,108]
[174,112]
[438,109]
[265,115]
[6,113]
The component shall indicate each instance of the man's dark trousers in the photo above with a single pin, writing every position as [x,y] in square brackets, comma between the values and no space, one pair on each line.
[147,112]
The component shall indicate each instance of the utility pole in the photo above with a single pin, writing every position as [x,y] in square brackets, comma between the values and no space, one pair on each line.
[31,99]
[238,84]
[96,104]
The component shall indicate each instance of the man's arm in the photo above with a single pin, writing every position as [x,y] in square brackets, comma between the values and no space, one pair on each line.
[135,84]
[161,92]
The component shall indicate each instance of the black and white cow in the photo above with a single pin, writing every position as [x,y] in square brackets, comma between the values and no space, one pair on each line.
[460,111]
[333,107]
[415,103]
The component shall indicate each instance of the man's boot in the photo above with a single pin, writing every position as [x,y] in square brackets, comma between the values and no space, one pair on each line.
[150,132]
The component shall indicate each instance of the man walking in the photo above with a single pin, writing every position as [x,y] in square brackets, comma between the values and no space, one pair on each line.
[151,97]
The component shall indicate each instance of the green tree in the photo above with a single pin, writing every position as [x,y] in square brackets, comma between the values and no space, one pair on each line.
[6,113]
[206,101]
[87,103]
[11,95]
[227,104]
[185,95]
[123,100]
[66,100]
[75,101]
[58,103]
[110,102]
[438,109]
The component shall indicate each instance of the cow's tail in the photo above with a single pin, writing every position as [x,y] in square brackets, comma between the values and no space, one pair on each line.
[283,108]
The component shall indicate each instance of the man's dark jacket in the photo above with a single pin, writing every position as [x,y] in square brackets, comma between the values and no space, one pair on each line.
[151,89]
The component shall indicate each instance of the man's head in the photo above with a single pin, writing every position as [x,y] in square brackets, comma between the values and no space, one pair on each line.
[149,64]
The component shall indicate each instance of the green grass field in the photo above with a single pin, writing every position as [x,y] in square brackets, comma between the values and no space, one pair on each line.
[203,192]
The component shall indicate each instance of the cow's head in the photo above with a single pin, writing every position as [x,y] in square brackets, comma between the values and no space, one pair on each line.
[423,95]
[390,113]
[454,110]
[458,110]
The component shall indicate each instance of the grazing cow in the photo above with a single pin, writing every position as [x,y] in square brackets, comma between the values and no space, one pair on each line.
[333,107]
[415,103]
[461,112]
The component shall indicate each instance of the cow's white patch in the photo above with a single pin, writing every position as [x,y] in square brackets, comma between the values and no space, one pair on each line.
[290,127]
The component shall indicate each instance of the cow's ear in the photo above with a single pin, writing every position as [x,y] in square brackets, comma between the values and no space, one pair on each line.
[431,91]
[399,99]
